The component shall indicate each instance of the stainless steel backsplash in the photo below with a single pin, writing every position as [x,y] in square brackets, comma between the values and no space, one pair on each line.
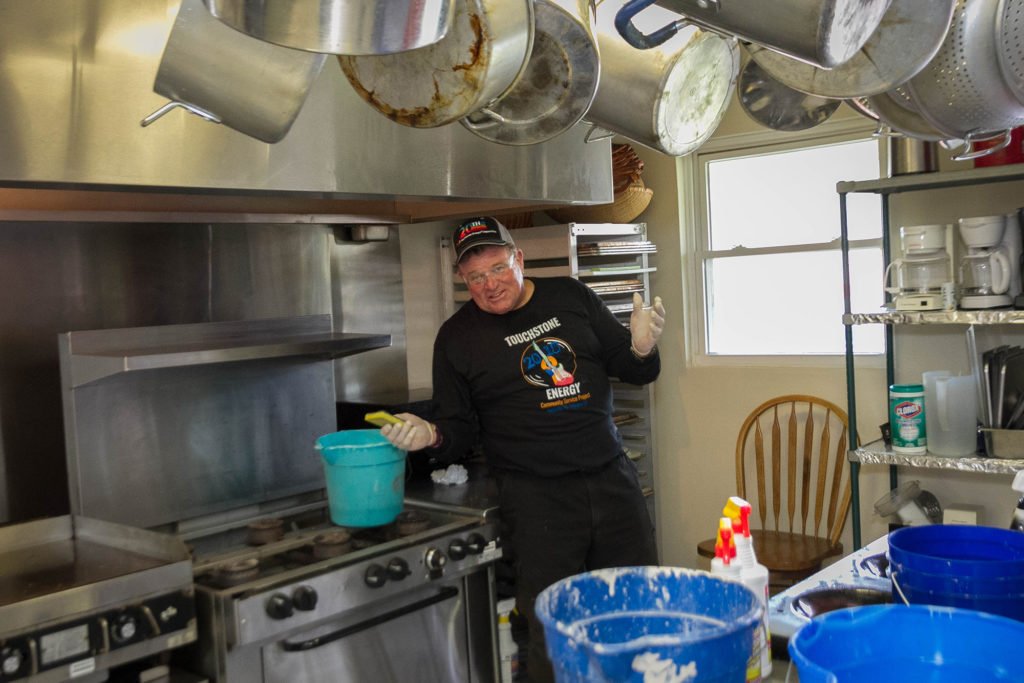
[58,277]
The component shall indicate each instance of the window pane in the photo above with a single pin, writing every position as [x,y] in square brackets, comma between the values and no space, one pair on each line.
[790,197]
[802,312]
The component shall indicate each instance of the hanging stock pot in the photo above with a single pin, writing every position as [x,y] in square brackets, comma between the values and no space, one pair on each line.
[364,27]
[823,32]
[909,35]
[228,77]
[476,62]
[775,105]
[558,83]
[670,98]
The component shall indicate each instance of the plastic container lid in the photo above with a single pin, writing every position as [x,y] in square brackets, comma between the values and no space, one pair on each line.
[893,501]
[982,220]
[906,388]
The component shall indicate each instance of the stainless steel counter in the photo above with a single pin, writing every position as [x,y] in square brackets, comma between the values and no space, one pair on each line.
[478,496]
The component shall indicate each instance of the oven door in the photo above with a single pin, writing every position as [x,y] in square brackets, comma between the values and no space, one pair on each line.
[422,637]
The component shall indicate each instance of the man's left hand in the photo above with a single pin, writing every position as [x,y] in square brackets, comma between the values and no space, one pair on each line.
[645,324]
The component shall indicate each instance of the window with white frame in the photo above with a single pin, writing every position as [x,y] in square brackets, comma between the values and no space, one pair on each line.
[769,249]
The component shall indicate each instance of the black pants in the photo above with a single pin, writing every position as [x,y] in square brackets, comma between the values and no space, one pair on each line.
[561,526]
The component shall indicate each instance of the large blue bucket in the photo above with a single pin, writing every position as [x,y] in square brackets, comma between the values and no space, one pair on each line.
[908,643]
[648,623]
[974,567]
[365,477]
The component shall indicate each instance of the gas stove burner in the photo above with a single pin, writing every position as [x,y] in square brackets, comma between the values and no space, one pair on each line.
[331,544]
[411,522]
[239,571]
[264,531]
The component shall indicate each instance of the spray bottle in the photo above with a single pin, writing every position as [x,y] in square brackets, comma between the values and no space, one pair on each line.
[723,563]
[508,649]
[753,575]
[1017,523]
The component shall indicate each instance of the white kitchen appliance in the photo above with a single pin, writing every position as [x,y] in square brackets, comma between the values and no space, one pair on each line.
[985,269]
[922,270]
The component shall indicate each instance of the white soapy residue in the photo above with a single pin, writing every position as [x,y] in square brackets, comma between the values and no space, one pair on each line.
[455,474]
[658,670]
[687,629]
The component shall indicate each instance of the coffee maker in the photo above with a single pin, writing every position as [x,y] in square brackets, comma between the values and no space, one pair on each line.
[922,271]
[989,273]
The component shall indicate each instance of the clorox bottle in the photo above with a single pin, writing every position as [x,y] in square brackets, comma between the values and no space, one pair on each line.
[753,575]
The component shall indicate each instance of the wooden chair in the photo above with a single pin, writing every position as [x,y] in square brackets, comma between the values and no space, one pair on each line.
[794,447]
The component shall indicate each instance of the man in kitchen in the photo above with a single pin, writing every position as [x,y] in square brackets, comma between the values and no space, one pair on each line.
[526,367]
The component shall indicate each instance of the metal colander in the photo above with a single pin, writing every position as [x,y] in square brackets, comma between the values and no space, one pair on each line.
[894,111]
[1010,37]
[961,92]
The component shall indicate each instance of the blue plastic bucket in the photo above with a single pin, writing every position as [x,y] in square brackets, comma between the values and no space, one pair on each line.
[973,567]
[648,623]
[908,643]
[365,477]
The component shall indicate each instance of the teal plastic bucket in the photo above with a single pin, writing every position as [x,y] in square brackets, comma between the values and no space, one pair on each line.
[974,567]
[365,477]
[640,624]
[908,643]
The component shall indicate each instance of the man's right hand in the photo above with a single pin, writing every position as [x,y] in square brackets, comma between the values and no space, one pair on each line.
[416,434]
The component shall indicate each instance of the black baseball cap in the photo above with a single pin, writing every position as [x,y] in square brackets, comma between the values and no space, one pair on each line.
[477,232]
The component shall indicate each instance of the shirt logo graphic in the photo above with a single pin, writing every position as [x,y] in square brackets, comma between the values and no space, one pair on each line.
[549,362]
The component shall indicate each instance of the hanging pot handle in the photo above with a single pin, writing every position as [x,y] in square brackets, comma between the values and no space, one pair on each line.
[883,130]
[191,108]
[492,118]
[597,133]
[634,36]
[969,152]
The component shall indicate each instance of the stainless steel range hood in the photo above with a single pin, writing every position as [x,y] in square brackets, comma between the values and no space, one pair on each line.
[77,78]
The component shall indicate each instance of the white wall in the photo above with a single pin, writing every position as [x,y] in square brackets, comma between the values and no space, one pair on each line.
[700,409]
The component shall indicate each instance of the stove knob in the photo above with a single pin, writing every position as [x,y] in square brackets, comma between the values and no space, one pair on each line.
[124,628]
[279,606]
[457,549]
[11,660]
[476,544]
[398,569]
[304,598]
[435,560]
[375,576]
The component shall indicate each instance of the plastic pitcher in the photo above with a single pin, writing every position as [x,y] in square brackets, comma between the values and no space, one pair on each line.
[951,408]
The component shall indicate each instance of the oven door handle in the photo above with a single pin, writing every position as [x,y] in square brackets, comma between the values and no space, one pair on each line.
[444,594]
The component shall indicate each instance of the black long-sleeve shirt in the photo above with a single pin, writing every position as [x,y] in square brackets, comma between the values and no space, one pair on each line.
[535,382]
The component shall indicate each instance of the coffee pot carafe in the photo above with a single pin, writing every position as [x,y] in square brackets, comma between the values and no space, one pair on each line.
[922,270]
[986,270]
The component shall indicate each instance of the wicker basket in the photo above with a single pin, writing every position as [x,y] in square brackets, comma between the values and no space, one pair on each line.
[626,206]
[522,219]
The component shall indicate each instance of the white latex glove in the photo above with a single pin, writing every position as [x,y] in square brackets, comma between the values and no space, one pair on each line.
[645,324]
[414,435]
